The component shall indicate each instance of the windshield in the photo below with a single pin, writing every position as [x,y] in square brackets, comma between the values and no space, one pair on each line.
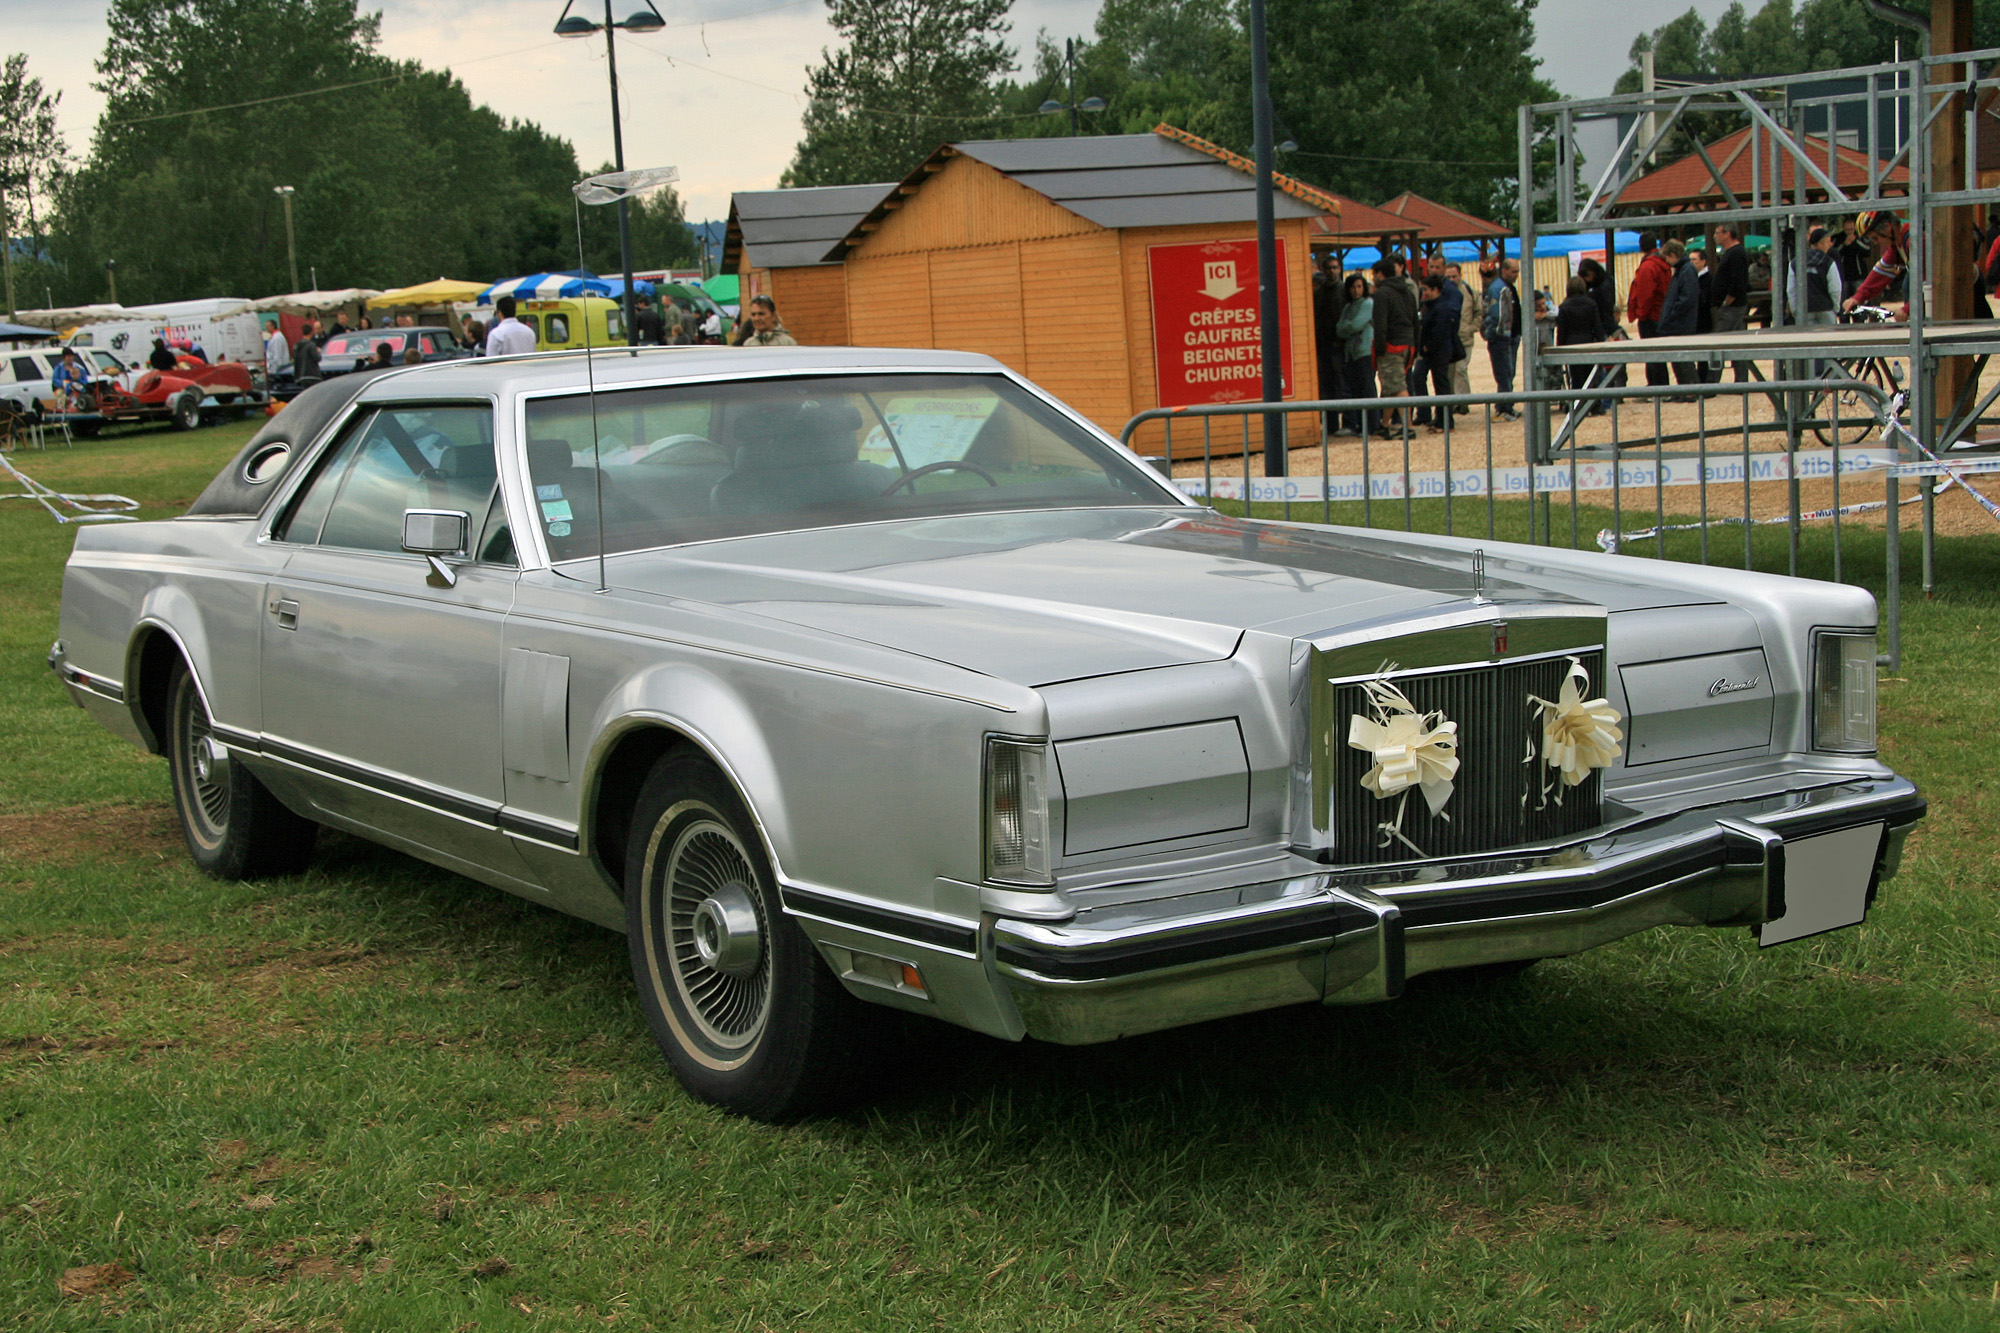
[698,462]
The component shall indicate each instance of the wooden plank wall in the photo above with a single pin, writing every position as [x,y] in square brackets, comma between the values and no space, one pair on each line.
[967,204]
[812,303]
[975,262]
[1050,309]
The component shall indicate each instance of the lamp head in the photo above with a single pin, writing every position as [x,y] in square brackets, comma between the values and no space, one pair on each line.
[646,20]
[575,25]
[1092,104]
[1051,107]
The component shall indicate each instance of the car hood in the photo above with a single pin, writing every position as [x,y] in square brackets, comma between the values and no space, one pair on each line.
[1037,598]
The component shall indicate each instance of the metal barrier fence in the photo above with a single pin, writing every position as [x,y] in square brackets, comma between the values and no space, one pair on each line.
[1718,476]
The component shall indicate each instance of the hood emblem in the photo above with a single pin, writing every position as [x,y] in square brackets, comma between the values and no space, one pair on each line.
[1499,638]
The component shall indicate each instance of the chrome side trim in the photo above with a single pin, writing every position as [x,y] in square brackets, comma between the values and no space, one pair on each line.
[511,822]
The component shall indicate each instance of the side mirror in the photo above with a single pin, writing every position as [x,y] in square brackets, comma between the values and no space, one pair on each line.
[432,533]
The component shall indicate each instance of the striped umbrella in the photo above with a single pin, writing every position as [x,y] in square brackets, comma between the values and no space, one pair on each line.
[554,286]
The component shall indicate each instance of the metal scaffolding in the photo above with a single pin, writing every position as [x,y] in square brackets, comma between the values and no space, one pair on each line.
[1800,173]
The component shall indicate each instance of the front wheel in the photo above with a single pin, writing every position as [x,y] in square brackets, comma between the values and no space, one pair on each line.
[235,828]
[187,411]
[745,1011]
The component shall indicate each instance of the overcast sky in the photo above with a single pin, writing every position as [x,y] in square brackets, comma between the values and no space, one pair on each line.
[718,93]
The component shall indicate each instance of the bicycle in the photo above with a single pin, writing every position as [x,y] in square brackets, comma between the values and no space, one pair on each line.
[1849,417]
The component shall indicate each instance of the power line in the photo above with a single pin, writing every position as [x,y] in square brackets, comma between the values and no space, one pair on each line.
[679,61]
[1418,161]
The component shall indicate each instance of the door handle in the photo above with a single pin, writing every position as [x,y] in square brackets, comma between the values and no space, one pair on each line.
[287,612]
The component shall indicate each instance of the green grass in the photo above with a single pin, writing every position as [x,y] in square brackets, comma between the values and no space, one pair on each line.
[378,1096]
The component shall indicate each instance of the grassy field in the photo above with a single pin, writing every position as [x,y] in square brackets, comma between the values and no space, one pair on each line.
[378,1096]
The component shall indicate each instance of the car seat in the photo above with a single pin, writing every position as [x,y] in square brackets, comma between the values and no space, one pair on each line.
[797,455]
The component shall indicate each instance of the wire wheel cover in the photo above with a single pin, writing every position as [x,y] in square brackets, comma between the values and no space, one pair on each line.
[728,1002]
[205,770]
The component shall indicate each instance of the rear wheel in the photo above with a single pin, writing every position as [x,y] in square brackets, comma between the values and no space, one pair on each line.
[748,1015]
[1847,416]
[235,828]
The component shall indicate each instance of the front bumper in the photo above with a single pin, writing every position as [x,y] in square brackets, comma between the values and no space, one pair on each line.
[1354,935]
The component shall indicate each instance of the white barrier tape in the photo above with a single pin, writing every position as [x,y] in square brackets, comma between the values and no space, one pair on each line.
[49,499]
[1722,470]
[1609,541]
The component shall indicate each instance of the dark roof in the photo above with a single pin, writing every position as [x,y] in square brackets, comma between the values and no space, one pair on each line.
[1358,223]
[1442,222]
[793,228]
[1117,180]
[1686,185]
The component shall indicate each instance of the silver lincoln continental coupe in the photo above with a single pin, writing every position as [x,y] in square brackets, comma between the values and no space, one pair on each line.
[843,678]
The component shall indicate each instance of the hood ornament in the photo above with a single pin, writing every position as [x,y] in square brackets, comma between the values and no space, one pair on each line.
[1479,577]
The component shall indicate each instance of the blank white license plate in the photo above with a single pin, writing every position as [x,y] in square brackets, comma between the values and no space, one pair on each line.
[1826,883]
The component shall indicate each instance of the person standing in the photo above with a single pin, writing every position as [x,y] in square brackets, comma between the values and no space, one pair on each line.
[1823,292]
[1355,331]
[1502,331]
[1680,309]
[1472,313]
[1730,288]
[277,352]
[305,356]
[508,336]
[1437,343]
[1327,359]
[766,330]
[1579,319]
[649,324]
[1395,336]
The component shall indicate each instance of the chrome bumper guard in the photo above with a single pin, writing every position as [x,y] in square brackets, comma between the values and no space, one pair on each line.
[1353,936]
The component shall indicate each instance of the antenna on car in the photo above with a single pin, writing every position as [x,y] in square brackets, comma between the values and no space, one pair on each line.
[606,188]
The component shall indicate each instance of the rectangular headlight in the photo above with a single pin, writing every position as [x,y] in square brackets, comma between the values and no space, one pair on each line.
[1844,691]
[1017,811]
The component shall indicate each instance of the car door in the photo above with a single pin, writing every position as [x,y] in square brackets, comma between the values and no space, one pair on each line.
[381,683]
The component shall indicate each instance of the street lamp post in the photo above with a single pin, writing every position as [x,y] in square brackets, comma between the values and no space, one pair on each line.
[647,20]
[111,272]
[1055,108]
[285,193]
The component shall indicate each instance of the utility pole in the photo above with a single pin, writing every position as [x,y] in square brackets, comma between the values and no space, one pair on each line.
[7,249]
[111,272]
[285,193]
[1277,460]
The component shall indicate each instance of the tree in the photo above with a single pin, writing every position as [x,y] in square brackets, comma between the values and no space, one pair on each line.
[1438,117]
[913,74]
[399,176]
[32,158]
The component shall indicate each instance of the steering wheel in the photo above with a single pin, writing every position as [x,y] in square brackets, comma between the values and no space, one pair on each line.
[947,465]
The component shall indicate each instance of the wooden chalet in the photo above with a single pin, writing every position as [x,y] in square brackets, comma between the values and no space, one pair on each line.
[777,243]
[1048,254]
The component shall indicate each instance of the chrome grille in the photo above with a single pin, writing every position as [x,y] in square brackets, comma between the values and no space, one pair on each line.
[1497,800]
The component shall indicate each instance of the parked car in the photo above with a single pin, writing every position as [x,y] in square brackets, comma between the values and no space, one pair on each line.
[25,378]
[843,678]
[347,351]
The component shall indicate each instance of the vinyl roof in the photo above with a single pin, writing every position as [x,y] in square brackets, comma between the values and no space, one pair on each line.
[1167,178]
[791,228]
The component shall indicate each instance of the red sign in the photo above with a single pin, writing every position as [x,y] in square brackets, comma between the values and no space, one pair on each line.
[1208,339]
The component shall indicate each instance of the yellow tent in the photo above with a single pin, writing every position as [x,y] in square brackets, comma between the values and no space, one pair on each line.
[442,292]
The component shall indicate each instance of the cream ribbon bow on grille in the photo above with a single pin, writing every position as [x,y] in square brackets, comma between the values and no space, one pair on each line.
[1578,734]
[1410,749]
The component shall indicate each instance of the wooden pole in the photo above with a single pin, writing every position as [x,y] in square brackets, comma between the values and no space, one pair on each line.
[1951,228]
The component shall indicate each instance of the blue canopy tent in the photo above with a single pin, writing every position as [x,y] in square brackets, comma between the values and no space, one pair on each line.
[21,333]
[560,286]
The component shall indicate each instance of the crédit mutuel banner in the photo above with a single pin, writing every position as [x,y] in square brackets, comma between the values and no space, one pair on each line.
[1207,336]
